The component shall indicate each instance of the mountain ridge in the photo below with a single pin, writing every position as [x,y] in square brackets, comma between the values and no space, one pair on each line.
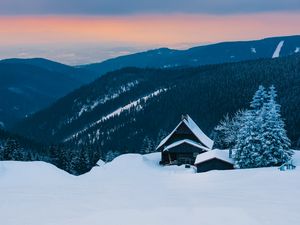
[28,85]
[148,96]
[231,51]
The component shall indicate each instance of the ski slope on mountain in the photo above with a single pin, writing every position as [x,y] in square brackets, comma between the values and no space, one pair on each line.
[278,49]
[133,189]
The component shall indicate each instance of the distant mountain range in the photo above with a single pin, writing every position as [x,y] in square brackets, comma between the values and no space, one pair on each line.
[28,85]
[131,109]
[203,55]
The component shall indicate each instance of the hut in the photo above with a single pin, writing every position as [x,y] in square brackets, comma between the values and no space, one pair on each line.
[214,160]
[184,143]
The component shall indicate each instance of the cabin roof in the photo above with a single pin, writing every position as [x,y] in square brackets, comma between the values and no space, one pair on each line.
[100,162]
[214,154]
[195,130]
[187,141]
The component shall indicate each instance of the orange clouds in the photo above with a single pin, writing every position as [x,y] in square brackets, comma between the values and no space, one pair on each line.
[155,30]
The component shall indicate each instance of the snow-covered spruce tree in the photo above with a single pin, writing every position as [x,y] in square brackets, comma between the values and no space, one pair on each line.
[247,150]
[262,140]
[259,99]
[227,131]
[276,144]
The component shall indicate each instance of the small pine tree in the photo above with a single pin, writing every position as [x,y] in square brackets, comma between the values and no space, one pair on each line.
[17,154]
[148,145]
[11,146]
[1,153]
[74,162]
[110,155]
[65,159]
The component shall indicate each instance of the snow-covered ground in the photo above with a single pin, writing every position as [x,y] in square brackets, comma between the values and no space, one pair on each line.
[135,190]
[278,49]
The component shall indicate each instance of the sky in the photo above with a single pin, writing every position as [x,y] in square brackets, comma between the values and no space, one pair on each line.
[85,31]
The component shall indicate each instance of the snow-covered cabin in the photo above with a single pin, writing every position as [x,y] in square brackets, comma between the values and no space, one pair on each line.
[184,143]
[214,160]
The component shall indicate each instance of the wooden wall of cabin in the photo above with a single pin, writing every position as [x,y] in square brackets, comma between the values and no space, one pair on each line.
[213,164]
[178,158]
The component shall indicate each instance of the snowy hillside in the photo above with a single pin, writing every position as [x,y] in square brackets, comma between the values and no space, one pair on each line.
[134,190]
[119,105]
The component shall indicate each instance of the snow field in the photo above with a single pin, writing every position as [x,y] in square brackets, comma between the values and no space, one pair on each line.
[133,189]
[278,49]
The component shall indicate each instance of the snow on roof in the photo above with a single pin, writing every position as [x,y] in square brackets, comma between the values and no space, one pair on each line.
[214,154]
[185,141]
[199,133]
[100,162]
[196,131]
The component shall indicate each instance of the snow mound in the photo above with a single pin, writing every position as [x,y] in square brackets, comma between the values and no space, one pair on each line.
[135,165]
[296,158]
[2,169]
[28,173]
[134,189]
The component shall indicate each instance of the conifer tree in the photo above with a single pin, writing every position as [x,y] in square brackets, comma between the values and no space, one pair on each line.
[74,162]
[259,99]
[276,144]
[262,139]
[110,155]
[247,151]
[1,153]
[10,147]
[148,145]
[160,136]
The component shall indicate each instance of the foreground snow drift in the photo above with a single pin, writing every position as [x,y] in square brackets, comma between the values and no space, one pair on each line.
[134,189]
